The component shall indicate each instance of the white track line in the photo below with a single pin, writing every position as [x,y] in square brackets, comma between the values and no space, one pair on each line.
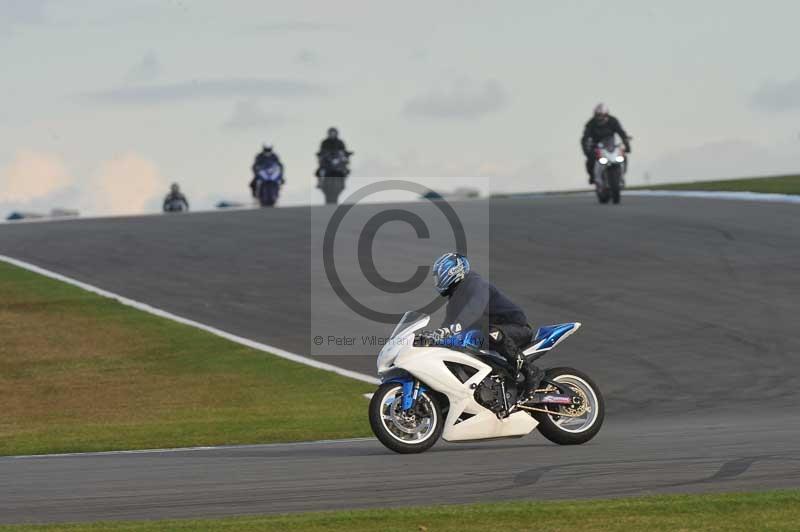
[46,218]
[720,195]
[213,330]
[183,449]
[702,194]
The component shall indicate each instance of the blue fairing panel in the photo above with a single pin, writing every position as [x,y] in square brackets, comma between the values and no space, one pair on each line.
[550,334]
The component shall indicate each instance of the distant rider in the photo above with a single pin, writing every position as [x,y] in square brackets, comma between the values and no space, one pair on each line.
[331,143]
[600,128]
[175,201]
[475,304]
[264,159]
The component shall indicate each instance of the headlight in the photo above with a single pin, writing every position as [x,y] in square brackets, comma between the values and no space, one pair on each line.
[620,159]
[602,160]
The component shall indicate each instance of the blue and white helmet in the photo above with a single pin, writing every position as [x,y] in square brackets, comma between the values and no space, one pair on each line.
[449,270]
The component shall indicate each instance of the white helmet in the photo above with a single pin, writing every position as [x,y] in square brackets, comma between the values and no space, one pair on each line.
[601,109]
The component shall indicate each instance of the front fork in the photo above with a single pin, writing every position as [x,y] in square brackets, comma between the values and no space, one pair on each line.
[411,390]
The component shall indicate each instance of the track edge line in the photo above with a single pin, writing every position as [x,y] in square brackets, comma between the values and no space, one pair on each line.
[282,353]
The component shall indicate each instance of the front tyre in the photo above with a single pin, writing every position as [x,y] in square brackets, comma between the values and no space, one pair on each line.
[414,431]
[583,421]
[603,194]
[615,182]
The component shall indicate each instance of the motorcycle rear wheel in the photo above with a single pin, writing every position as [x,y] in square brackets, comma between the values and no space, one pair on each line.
[565,430]
[332,186]
[405,432]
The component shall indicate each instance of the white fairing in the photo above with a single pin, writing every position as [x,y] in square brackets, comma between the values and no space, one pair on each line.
[427,365]
[607,157]
[403,336]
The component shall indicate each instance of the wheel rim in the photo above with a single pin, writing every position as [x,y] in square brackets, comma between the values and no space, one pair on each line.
[412,427]
[588,415]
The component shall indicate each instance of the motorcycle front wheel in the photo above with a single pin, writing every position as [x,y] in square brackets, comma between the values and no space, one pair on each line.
[408,432]
[268,194]
[614,182]
[603,195]
[578,423]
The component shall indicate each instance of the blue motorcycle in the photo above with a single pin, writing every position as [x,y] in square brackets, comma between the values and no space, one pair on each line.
[267,183]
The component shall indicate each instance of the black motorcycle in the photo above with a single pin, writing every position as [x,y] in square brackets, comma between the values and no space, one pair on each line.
[334,167]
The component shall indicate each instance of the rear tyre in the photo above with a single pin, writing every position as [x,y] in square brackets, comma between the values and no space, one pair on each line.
[332,186]
[405,432]
[565,430]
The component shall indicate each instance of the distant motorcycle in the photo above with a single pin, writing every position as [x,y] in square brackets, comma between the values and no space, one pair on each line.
[334,167]
[610,166]
[175,204]
[267,183]
[463,394]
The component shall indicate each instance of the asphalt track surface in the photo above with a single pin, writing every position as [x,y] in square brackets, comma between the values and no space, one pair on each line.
[690,310]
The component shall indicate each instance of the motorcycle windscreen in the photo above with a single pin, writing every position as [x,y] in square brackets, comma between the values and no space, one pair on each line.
[409,322]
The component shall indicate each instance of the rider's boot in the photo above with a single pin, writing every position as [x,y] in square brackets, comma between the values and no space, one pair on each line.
[533,378]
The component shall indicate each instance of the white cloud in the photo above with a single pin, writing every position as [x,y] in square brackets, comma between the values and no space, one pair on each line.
[40,182]
[147,69]
[307,57]
[723,159]
[22,11]
[32,175]
[778,96]
[205,89]
[460,101]
[126,184]
[248,114]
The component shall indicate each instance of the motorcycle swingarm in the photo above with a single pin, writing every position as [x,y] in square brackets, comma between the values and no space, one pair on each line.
[564,392]
[551,399]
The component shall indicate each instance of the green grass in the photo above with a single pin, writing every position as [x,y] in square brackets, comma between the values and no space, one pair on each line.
[79,372]
[776,510]
[786,184]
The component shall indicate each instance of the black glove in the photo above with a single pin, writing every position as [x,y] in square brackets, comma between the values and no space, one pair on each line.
[441,334]
[424,339]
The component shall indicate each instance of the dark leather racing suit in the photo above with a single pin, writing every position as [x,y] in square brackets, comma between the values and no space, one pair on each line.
[476,304]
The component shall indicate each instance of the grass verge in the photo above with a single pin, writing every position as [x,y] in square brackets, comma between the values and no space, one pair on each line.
[776,510]
[785,184]
[79,372]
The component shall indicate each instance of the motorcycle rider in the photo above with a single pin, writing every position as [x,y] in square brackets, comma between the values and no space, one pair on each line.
[476,304]
[175,201]
[264,159]
[331,143]
[601,127]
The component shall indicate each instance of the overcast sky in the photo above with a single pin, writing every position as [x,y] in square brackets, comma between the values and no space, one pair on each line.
[104,103]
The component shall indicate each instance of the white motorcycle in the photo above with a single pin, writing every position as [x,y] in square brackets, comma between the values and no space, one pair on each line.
[609,171]
[465,394]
